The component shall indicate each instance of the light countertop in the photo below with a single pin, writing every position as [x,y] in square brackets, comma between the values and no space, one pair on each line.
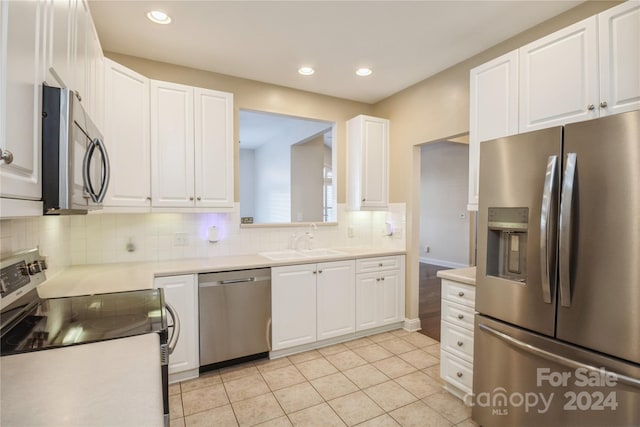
[120,277]
[465,275]
[109,383]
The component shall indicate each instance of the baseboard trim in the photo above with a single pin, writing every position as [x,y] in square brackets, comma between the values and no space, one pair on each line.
[412,325]
[443,263]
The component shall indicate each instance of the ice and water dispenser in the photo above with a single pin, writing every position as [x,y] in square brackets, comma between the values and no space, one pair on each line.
[507,243]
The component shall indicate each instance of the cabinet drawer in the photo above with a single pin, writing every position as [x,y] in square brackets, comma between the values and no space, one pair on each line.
[458,314]
[371,265]
[459,292]
[456,371]
[457,340]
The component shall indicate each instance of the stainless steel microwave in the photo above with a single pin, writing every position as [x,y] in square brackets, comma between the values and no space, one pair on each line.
[75,164]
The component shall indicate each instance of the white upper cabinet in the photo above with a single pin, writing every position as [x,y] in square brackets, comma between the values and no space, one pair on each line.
[126,134]
[21,75]
[191,147]
[493,110]
[213,148]
[559,77]
[619,53]
[172,145]
[367,163]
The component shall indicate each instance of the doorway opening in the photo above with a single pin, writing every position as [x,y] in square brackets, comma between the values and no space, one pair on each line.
[445,226]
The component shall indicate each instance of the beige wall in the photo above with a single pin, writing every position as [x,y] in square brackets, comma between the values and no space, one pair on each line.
[252,95]
[438,108]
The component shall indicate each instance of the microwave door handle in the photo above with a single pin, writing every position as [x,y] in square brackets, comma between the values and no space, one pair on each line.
[546,263]
[86,166]
[173,340]
[105,170]
[566,213]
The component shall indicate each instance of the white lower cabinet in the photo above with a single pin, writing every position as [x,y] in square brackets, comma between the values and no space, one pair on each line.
[456,344]
[312,302]
[293,305]
[181,292]
[336,299]
[379,291]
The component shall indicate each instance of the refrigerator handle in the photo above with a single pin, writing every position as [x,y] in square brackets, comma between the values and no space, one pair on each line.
[546,267]
[553,357]
[565,229]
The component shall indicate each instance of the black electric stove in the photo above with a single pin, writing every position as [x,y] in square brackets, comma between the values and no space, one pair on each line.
[29,323]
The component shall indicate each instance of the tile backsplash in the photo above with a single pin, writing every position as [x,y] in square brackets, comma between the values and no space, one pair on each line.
[106,238]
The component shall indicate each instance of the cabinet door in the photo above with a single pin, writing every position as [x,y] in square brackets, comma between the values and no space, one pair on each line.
[391,297]
[172,157]
[21,74]
[367,301]
[95,77]
[126,135]
[559,78]
[213,148]
[619,54]
[182,293]
[375,167]
[59,43]
[493,110]
[293,305]
[367,163]
[79,57]
[336,294]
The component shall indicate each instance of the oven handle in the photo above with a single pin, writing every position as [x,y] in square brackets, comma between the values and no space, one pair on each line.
[173,340]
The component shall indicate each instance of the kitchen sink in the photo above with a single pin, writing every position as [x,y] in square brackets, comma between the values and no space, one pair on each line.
[321,252]
[289,254]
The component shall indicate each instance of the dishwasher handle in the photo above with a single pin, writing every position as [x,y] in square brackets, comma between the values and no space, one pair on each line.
[207,284]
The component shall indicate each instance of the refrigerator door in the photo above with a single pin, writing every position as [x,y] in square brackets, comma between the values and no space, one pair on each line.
[600,237]
[525,379]
[519,185]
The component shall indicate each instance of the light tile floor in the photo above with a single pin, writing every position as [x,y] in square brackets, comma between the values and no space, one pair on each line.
[389,379]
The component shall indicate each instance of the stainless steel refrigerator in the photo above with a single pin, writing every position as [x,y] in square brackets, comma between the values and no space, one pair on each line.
[557,337]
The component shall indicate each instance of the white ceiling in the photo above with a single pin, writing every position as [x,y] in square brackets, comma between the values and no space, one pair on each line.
[403,41]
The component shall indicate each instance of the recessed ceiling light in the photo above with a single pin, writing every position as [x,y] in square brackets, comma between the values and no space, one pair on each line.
[159,17]
[306,71]
[364,72]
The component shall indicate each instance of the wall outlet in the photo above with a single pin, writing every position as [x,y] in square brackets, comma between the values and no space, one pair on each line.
[427,249]
[462,215]
[350,232]
[180,239]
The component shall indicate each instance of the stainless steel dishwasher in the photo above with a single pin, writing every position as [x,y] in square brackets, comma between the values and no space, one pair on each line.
[235,316]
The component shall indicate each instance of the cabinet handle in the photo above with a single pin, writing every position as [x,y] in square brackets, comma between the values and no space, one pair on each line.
[199,198]
[382,278]
[320,271]
[460,294]
[364,200]
[315,272]
[380,265]
[191,198]
[591,107]
[460,316]
[78,95]
[378,279]
[460,343]
[7,156]
[459,374]
[603,104]
[148,197]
